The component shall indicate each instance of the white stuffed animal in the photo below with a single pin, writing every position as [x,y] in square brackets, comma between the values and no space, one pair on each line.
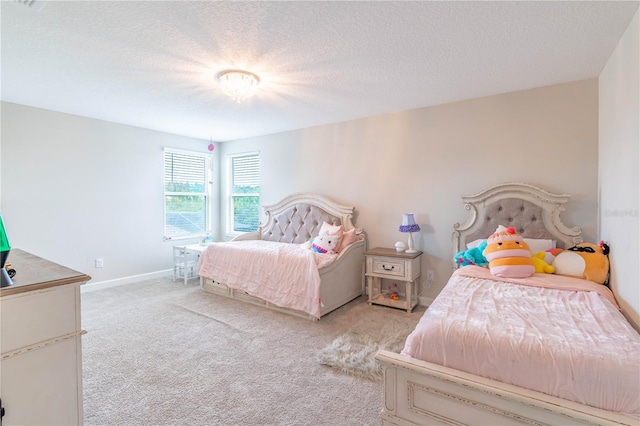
[324,243]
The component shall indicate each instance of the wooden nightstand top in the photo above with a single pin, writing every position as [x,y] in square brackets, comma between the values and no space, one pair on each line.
[391,252]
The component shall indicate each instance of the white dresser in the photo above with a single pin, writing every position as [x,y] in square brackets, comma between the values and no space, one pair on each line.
[40,343]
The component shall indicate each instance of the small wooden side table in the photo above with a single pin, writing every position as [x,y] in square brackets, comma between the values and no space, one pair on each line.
[388,263]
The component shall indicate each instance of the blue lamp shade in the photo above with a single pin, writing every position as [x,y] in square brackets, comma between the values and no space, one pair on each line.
[408,223]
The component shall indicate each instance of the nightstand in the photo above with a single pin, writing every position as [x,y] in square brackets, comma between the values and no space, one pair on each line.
[398,266]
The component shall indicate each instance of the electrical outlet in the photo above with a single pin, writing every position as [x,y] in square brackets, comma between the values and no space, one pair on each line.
[430,275]
[99,262]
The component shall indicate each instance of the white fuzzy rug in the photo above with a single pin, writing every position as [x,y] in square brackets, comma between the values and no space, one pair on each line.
[354,352]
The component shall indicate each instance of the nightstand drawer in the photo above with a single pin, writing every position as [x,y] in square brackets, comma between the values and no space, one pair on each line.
[386,266]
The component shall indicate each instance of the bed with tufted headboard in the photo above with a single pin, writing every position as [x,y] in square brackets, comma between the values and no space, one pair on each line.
[285,231]
[546,349]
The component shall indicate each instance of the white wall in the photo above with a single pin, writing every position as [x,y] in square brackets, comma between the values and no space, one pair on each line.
[74,189]
[619,161]
[423,160]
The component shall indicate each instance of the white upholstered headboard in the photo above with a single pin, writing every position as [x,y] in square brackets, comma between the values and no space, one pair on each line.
[532,211]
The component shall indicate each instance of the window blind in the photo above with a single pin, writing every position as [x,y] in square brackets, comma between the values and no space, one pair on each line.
[244,197]
[186,193]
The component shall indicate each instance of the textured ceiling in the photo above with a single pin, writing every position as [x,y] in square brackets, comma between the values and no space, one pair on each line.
[152,63]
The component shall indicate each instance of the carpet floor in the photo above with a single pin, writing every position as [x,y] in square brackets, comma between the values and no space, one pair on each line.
[160,352]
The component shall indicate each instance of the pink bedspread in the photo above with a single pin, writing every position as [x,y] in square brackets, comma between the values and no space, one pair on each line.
[280,273]
[557,335]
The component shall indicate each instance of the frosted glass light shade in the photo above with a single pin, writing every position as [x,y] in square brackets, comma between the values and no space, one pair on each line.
[238,85]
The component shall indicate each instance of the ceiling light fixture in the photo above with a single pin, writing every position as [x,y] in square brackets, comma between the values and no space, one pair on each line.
[238,85]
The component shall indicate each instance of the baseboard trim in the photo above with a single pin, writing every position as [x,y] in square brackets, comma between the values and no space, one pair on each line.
[125,280]
[422,301]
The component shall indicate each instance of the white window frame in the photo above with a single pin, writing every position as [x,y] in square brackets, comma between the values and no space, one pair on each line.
[208,165]
[229,231]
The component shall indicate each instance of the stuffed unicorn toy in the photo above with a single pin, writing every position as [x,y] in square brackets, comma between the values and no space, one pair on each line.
[324,243]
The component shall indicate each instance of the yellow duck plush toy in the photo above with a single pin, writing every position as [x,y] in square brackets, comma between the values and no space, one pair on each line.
[542,267]
[508,254]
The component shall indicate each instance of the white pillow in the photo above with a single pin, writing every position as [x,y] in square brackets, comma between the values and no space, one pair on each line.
[475,243]
[537,245]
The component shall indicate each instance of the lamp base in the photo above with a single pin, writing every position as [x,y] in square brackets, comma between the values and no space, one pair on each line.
[5,280]
[411,248]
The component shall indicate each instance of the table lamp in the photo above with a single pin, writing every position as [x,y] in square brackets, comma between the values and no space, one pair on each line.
[409,225]
[5,248]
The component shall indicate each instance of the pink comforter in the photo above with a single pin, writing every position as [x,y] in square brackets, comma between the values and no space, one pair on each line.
[557,335]
[280,273]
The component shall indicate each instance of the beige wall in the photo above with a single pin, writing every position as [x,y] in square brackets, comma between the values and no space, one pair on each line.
[423,160]
[75,188]
[65,178]
[618,167]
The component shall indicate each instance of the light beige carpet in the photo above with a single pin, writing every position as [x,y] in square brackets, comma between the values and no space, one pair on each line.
[162,353]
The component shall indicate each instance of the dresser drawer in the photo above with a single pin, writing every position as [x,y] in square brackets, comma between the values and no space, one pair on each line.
[389,267]
[33,317]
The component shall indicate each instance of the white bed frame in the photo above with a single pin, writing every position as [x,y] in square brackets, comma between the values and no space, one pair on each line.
[423,393]
[340,282]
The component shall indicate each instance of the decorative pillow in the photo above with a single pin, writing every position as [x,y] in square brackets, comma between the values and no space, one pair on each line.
[348,238]
[586,260]
[508,254]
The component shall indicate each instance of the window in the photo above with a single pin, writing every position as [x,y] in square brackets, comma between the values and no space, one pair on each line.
[243,192]
[186,193]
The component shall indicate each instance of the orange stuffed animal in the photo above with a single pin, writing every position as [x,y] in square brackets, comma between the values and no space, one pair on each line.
[508,254]
[587,261]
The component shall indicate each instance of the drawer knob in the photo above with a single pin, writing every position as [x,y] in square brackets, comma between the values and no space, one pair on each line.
[387,269]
